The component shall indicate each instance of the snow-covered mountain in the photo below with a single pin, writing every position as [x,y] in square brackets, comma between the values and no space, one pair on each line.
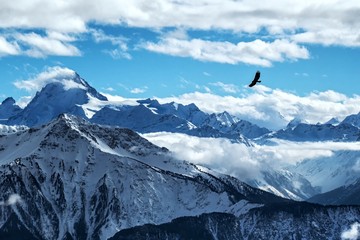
[71,94]
[330,172]
[65,94]
[146,118]
[79,180]
[286,184]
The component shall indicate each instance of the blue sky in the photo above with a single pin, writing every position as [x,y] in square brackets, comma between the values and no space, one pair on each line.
[168,48]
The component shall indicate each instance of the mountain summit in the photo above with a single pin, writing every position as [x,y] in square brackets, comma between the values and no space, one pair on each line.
[65,93]
[8,108]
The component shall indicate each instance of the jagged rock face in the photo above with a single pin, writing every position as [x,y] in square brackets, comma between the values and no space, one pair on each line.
[289,221]
[8,108]
[82,181]
[150,116]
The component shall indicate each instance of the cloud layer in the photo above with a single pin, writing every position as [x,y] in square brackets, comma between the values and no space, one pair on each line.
[241,161]
[278,29]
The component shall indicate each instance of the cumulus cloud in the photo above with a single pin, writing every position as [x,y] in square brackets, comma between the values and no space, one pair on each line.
[257,52]
[50,74]
[325,22]
[36,45]
[287,26]
[274,108]
[352,233]
[13,199]
[241,161]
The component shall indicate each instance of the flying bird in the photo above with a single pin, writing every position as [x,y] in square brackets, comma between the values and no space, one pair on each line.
[256,79]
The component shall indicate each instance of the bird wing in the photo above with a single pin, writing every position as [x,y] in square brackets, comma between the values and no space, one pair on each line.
[256,78]
[252,84]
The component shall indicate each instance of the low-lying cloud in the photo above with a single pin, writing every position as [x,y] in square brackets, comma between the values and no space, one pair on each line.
[241,161]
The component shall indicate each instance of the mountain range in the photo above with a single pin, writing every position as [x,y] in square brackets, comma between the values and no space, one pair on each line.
[82,171]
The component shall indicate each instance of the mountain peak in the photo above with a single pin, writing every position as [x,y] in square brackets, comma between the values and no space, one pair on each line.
[8,101]
[333,121]
[296,121]
[65,92]
[8,108]
[353,119]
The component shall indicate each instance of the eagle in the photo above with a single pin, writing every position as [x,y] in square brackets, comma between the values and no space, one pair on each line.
[256,79]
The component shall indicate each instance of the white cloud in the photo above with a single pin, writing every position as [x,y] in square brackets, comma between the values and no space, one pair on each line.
[216,153]
[13,199]
[121,52]
[274,108]
[50,74]
[241,16]
[301,74]
[8,48]
[241,161]
[36,45]
[286,24]
[135,90]
[207,74]
[229,88]
[352,233]
[256,52]
[139,90]
[109,89]
[24,101]
[327,22]
[118,54]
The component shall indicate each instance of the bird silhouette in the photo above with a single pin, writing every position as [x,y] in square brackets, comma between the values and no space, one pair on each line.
[256,79]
